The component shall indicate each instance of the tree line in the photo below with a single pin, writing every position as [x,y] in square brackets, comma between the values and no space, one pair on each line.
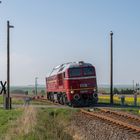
[123,91]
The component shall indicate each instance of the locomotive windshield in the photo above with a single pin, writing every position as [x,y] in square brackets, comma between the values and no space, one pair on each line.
[88,71]
[74,72]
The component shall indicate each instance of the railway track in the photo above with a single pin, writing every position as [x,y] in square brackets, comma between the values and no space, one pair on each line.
[46,100]
[116,120]
[122,120]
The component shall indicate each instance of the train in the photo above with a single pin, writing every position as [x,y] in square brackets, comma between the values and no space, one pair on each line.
[73,84]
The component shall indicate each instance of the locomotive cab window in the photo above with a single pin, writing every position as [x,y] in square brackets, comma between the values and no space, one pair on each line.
[88,71]
[74,72]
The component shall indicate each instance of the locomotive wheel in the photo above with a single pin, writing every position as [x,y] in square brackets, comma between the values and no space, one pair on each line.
[76,97]
[49,96]
[64,99]
[61,100]
[52,97]
[58,98]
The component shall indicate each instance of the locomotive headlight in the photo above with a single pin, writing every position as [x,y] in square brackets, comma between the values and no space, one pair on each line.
[72,91]
[94,89]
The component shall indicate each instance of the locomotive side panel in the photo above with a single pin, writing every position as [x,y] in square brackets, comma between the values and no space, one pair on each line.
[51,83]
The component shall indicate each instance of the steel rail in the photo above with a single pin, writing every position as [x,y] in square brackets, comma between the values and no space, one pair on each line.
[113,121]
[46,100]
[121,114]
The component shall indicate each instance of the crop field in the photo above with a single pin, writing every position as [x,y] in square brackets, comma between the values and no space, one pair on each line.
[129,99]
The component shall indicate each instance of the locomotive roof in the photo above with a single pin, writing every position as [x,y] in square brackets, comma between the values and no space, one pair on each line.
[63,67]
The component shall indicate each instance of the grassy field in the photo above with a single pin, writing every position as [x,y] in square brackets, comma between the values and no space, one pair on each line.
[41,124]
[51,125]
[135,111]
[1,99]
[31,123]
[6,119]
[14,100]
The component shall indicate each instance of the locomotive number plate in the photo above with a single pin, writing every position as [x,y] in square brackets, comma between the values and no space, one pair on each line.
[83,91]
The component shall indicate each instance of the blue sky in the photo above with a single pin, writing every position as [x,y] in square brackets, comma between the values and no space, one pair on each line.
[51,32]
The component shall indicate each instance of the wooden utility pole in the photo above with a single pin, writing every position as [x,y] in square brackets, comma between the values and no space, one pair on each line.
[36,85]
[111,67]
[8,98]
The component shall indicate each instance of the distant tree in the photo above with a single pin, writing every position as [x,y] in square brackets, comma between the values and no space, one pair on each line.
[116,91]
[26,92]
[42,92]
[126,91]
[18,91]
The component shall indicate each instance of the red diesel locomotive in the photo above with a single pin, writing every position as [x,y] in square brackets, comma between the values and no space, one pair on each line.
[73,83]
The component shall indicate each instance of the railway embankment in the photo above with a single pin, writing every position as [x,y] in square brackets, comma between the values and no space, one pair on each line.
[90,127]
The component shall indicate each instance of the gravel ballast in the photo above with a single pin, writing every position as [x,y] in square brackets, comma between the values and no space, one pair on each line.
[84,127]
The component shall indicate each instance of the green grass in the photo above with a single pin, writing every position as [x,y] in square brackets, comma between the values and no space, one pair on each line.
[1,99]
[17,101]
[135,111]
[20,101]
[34,102]
[6,118]
[51,125]
[14,100]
